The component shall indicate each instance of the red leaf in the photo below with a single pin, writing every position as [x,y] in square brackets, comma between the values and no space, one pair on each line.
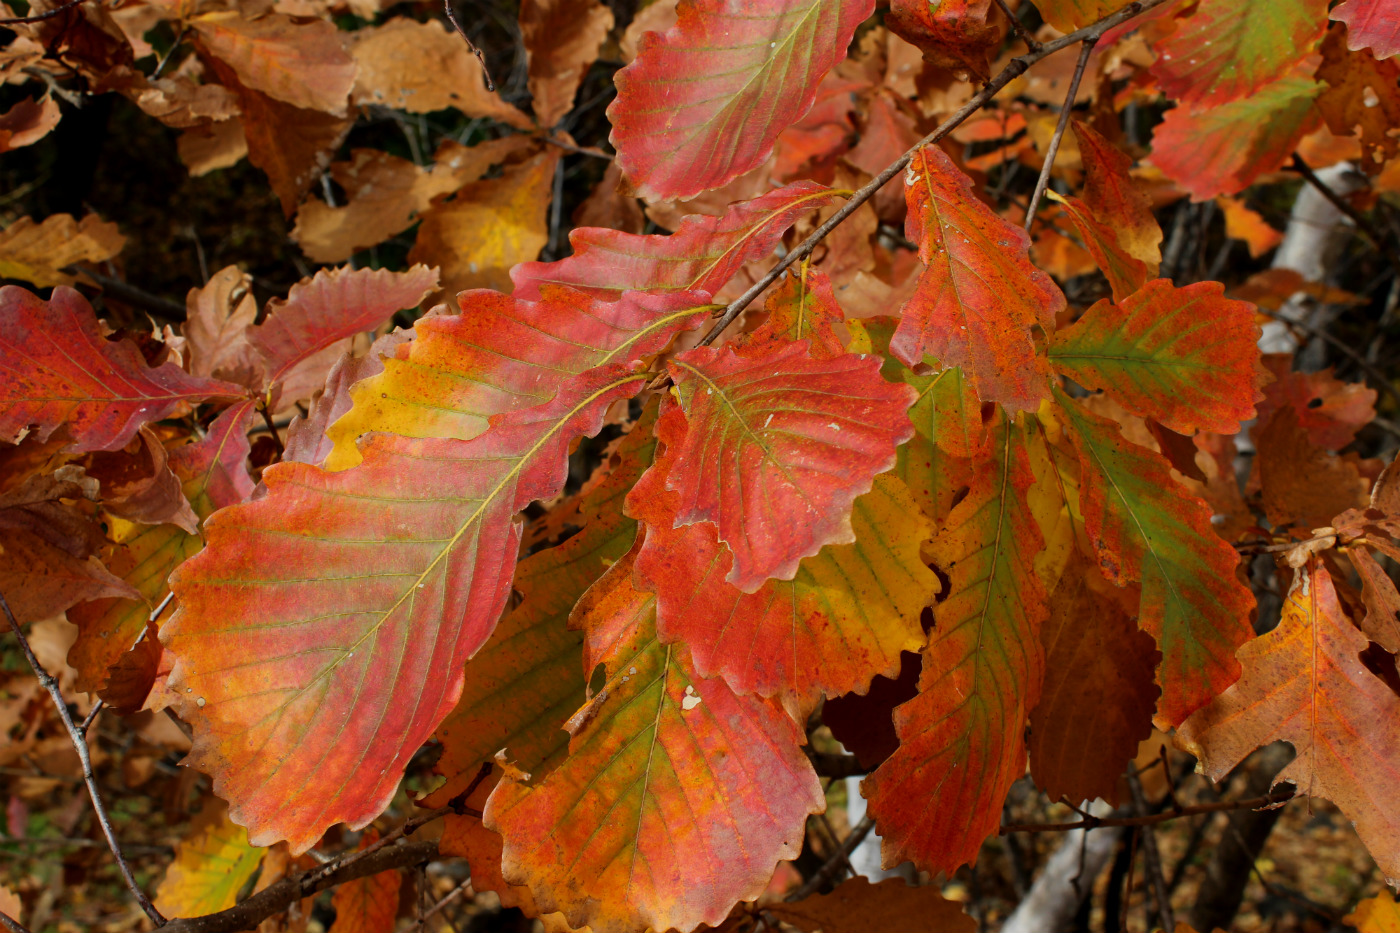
[1229,49]
[333,616]
[803,437]
[1111,194]
[300,339]
[953,34]
[1125,273]
[1330,410]
[802,307]
[1373,24]
[962,739]
[1186,357]
[980,296]
[57,369]
[704,102]
[703,254]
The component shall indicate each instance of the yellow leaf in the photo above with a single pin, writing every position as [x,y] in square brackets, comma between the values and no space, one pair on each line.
[211,866]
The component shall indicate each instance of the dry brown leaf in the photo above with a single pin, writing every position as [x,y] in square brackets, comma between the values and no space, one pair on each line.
[1302,484]
[421,67]
[304,65]
[1362,97]
[37,252]
[10,904]
[40,579]
[489,226]
[1382,621]
[657,16]
[561,41]
[181,102]
[27,122]
[216,317]
[857,906]
[139,486]
[211,146]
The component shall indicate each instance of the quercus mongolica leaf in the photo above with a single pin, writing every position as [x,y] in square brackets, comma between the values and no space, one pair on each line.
[1371,24]
[677,797]
[781,434]
[57,369]
[701,255]
[704,102]
[1305,683]
[211,866]
[523,685]
[318,611]
[1125,273]
[302,64]
[1382,621]
[501,354]
[962,739]
[1185,357]
[802,307]
[1112,196]
[1147,529]
[844,618]
[561,38]
[979,298]
[1229,49]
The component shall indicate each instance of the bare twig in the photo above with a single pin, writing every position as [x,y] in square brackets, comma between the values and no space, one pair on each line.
[81,747]
[1085,50]
[165,61]
[1151,819]
[464,888]
[91,717]
[11,924]
[271,429]
[1152,855]
[40,17]
[580,150]
[1362,223]
[1019,27]
[1014,69]
[452,18]
[838,861]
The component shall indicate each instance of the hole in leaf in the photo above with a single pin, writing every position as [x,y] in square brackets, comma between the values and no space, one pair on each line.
[1315,403]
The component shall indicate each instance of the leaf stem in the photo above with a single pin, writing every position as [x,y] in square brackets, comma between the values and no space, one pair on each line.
[85,758]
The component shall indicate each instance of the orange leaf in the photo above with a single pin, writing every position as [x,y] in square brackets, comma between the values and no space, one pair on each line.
[369,904]
[1362,94]
[302,64]
[802,307]
[1331,411]
[1241,223]
[980,296]
[857,906]
[1111,194]
[1301,483]
[1304,683]
[38,252]
[561,41]
[1379,914]
[1126,274]
[953,34]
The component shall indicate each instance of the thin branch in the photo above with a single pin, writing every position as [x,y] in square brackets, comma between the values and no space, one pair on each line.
[1151,819]
[81,747]
[1019,27]
[1014,69]
[40,17]
[1362,222]
[276,898]
[165,60]
[91,717]
[452,18]
[11,924]
[1151,854]
[461,889]
[580,150]
[1085,51]
[838,861]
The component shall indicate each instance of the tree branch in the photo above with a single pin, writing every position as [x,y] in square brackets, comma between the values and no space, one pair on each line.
[40,17]
[838,861]
[1151,819]
[1085,51]
[1019,27]
[11,924]
[81,747]
[1013,70]
[452,18]
[1362,223]
[278,897]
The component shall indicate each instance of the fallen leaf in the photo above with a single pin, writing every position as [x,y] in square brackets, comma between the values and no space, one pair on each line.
[561,41]
[304,65]
[38,252]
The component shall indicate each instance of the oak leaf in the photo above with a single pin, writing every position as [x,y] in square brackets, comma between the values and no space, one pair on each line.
[39,253]
[211,866]
[561,40]
[301,64]
[1305,683]
[1069,15]
[27,122]
[1382,620]
[1301,483]
[217,318]
[803,436]
[1186,357]
[58,369]
[1125,272]
[1362,98]
[1371,24]
[211,146]
[962,739]
[705,102]
[41,575]
[979,298]
[802,307]
[1111,193]
[699,791]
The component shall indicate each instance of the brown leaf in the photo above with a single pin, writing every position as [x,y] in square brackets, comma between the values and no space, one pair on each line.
[211,146]
[304,65]
[1382,621]
[1331,411]
[1098,698]
[1362,97]
[857,906]
[1301,483]
[561,42]
[180,101]
[489,226]
[216,317]
[657,16]
[27,122]
[36,252]
[422,67]
[139,486]
[40,579]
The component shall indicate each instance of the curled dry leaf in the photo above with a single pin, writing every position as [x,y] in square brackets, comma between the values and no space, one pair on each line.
[38,253]
[561,41]
[27,122]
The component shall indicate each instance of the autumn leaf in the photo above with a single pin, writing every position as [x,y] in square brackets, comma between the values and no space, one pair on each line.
[1330,410]
[1185,357]
[1362,95]
[1377,914]
[1222,150]
[313,625]
[1125,273]
[1228,50]
[533,665]
[1243,223]
[304,334]
[1097,702]
[980,296]
[27,122]
[701,255]
[211,866]
[802,307]
[704,102]
[561,40]
[846,616]
[1371,24]
[803,436]
[856,906]
[369,904]
[1382,620]
[217,318]
[1147,529]
[41,575]
[501,354]
[697,792]
[1069,15]
[38,253]
[59,370]
[1111,194]
[1300,482]
[962,738]
[954,34]
[302,64]
[1304,683]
